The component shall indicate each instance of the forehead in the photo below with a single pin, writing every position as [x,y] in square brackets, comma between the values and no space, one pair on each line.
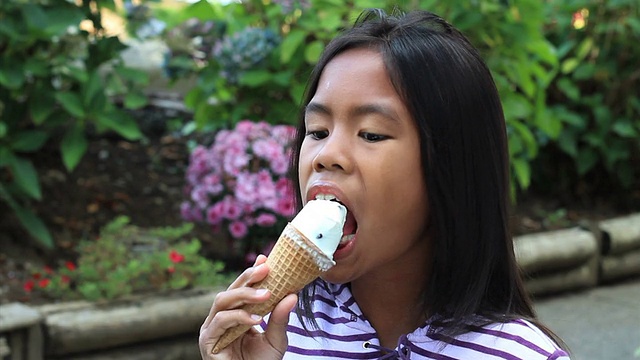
[362,70]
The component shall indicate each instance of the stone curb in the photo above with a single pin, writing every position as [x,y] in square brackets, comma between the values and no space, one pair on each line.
[551,262]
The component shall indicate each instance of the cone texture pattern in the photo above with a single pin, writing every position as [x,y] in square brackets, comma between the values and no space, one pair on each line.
[293,263]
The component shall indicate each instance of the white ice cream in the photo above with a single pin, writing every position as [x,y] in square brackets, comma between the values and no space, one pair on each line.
[321,221]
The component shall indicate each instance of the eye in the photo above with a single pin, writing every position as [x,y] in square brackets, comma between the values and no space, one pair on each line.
[371,137]
[318,134]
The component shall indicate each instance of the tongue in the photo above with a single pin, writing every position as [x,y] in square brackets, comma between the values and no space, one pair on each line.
[350,225]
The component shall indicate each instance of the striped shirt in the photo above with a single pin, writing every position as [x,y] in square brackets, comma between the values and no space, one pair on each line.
[344,333]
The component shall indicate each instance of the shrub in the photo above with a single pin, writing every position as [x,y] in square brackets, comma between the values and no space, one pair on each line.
[239,185]
[125,260]
[53,85]
[595,96]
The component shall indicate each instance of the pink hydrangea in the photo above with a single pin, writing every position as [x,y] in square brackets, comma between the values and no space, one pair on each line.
[238,184]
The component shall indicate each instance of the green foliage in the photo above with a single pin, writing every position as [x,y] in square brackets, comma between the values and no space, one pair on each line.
[126,260]
[560,86]
[57,79]
[596,94]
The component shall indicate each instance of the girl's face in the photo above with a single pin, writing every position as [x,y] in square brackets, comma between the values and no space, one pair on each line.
[362,147]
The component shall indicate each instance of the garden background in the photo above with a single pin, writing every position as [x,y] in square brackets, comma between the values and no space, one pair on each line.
[90,133]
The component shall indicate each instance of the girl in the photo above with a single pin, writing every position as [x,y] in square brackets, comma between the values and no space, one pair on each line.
[403,124]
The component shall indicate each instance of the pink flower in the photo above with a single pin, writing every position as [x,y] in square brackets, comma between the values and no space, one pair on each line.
[231,209]
[285,207]
[238,229]
[215,213]
[266,220]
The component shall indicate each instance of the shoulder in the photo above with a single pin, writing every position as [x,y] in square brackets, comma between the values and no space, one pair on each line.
[516,339]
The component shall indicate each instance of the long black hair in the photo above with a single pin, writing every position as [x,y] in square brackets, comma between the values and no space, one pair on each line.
[452,97]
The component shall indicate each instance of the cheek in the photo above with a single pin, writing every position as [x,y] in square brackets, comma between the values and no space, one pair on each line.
[305,165]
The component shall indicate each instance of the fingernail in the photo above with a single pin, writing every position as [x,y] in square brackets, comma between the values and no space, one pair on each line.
[255,317]
[261,292]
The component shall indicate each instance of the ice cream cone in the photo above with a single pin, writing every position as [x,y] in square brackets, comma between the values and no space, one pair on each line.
[294,262]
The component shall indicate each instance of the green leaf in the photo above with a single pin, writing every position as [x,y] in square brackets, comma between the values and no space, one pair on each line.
[523,172]
[41,105]
[73,146]
[26,177]
[584,48]
[624,128]
[296,91]
[584,71]
[569,88]
[11,74]
[568,143]
[516,107]
[91,89]
[587,159]
[136,76]
[134,100]
[121,123]
[34,226]
[60,18]
[569,65]
[290,44]
[71,103]
[29,140]
[254,78]
[313,51]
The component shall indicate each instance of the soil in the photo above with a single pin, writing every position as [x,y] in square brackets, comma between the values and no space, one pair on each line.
[144,180]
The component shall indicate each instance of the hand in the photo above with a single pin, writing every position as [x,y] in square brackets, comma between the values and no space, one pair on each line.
[226,313]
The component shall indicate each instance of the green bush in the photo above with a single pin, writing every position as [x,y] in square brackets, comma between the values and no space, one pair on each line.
[124,260]
[595,95]
[57,79]
[509,35]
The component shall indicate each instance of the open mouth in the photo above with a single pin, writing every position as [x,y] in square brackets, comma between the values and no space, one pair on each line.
[349,230]
[350,225]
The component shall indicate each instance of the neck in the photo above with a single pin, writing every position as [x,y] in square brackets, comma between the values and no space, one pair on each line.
[391,298]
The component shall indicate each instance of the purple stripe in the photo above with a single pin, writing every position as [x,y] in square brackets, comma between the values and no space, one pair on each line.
[330,319]
[321,333]
[333,353]
[429,354]
[515,338]
[472,346]
[327,301]
[557,354]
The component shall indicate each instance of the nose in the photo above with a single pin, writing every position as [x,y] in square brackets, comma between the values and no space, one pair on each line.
[333,155]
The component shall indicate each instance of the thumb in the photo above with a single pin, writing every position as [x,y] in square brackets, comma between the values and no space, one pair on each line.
[278,320]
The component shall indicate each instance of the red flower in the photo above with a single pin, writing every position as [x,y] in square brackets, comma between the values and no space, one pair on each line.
[43,283]
[176,257]
[171,269]
[28,286]
[48,270]
[65,279]
[37,276]
[71,266]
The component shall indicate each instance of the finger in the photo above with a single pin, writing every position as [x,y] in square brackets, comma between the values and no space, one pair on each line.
[276,333]
[250,276]
[234,299]
[223,321]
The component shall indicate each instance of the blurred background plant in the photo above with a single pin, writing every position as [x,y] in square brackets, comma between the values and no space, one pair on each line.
[60,78]
[239,186]
[125,260]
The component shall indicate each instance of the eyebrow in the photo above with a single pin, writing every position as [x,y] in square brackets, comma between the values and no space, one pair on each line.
[365,109]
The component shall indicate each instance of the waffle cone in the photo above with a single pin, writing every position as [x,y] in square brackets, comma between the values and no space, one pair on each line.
[293,263]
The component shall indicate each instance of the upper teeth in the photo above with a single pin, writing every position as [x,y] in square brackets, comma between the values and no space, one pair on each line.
[325,197]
